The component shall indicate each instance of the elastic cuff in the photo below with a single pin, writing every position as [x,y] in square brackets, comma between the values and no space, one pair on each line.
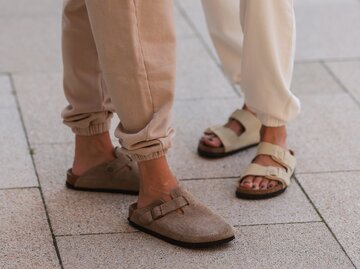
[269,121]
[151,156]
[92,129]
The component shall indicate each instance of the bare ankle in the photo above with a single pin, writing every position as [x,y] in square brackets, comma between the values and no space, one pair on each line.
[91,151]
[156,181]
[274,135]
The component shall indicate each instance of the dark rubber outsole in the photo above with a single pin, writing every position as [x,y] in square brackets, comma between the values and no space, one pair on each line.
[212,155]
[248,196]
[68,185]
[181,243]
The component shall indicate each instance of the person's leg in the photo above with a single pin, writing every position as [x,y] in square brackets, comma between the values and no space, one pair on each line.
[223,22]
[135,41]
[89,111]
[267,65]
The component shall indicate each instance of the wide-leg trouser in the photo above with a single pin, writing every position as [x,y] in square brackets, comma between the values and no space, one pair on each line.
[256,47]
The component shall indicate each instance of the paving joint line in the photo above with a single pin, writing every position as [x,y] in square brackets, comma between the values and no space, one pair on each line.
[328,172]
[235,226]
[323,220]
[19,188]
[202,41]
[12,83]
[339,82]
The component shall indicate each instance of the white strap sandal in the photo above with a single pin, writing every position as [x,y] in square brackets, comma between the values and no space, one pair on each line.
[286,158]
[231,142]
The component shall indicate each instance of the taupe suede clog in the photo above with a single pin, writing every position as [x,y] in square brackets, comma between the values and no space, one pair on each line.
[232,142]
[183,221]
[118,176]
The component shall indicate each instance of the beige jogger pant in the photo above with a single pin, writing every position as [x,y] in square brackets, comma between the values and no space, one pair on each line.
[256,47]
[119,55]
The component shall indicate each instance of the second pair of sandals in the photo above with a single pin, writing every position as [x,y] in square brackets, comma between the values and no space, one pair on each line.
[184,220]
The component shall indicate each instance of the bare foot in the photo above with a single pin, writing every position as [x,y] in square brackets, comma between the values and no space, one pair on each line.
[91,151]
[273,135]
[212,140]
[156,181]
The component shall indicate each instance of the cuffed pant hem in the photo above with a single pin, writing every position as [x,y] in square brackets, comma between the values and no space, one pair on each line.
[269,121]
[92,129]
[151,156]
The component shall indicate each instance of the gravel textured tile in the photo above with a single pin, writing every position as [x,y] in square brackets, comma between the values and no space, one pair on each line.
[219,194]
[21,8]
[349,75]
[77,212]
[323,135]
[16,165]
[25,239]
[337,198]
[309,246]
[324,29]
[30,44]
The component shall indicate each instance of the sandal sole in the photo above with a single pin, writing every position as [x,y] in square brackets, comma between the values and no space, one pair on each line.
[70,186]
[181,243]
[212,155]
[248,196]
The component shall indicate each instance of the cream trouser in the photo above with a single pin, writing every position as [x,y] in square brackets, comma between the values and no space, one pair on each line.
[119,55]
[256,47]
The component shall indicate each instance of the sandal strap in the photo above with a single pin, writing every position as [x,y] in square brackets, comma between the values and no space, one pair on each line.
[270,172]
[163,209]
[230,140]
[248,120]
[280,155]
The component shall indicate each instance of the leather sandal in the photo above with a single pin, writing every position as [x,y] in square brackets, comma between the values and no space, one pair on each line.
[286,158]
[231,142]
[118,176]
[182,221]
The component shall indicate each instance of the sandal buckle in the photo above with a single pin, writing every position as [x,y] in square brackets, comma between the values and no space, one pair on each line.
[273,171]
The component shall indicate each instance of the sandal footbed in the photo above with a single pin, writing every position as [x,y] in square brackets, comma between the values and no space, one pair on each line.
[211,152]
[70,186]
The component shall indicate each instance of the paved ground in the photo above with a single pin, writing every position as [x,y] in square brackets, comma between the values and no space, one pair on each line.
[316,224]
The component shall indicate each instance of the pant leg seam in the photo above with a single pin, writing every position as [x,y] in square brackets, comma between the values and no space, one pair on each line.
[144,63]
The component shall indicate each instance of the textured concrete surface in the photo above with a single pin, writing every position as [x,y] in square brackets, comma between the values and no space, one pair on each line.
[314,225]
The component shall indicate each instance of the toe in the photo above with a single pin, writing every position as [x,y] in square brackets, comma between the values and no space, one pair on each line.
[247,183]
[256,183]
[272,184]
[264,184]
[212,141]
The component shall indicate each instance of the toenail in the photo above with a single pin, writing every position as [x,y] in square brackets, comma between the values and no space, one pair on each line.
[263,187]
[254,187]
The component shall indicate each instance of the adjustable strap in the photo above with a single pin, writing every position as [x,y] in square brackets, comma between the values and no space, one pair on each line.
[278,154]
[270,172]
[163,209]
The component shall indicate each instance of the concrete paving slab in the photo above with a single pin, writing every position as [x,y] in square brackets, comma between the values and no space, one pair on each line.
[323,135]
[325,29]
[199,77]
[348,72]
[300,246]
[6,94]
[16,165]
[30,44]
[219,194]
[77,212]
[25,239]
[337,198]
[313,78]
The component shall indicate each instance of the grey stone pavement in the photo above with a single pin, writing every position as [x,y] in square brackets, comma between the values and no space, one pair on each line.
[315,224]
